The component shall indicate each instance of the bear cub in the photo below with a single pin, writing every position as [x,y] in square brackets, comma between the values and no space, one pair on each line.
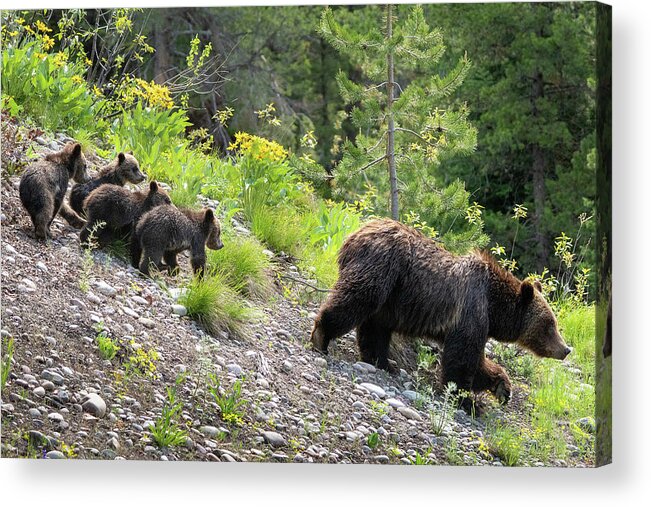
[119,209]
[392,279]
[123,169]
[164,232]
[43,187]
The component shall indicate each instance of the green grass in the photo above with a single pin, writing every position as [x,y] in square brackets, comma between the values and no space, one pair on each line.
[183,196]
[320,265]
[242,263]
[505,442]
[280,228]
[577,325]
[519,362]
[5,364]
[561,393]
[215,304]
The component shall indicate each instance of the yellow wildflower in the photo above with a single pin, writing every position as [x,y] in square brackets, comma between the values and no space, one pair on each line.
[60,59]
[47,42]
[77,79]
[42,27]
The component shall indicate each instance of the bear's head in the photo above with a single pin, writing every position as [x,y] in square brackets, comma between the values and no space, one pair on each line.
[156,196]
[539,331]
[212,230]
[74,159]
[128,168]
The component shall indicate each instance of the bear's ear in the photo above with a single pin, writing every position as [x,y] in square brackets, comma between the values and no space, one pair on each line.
[130,152]
[526,292]
[76,151]
[153,187]
[121,158]
[538,286]
[209,216]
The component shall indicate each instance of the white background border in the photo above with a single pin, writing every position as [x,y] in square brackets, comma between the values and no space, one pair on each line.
[626,482]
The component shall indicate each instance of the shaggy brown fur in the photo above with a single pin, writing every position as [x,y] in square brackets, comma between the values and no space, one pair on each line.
[119,210]
[164,232]
[394,279]
[43,186]
[123,169]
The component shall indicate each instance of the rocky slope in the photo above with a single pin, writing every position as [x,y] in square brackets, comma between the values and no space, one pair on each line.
[63,400]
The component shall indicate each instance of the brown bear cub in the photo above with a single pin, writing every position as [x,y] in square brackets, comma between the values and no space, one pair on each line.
[394,279]
[43,187]
[123,169]
[119,210]
[164,232]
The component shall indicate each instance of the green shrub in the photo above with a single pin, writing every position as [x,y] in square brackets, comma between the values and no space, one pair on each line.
[49,89]
[155,136]
[242,263]
[215,304]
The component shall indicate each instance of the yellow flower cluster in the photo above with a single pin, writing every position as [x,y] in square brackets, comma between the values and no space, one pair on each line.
[152,94]
[42,27]
[60,59]
[258,147]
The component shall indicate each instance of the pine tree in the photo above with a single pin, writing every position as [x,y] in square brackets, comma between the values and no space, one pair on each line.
[404,122]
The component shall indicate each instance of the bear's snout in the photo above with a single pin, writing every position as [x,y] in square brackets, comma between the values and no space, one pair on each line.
[562,352]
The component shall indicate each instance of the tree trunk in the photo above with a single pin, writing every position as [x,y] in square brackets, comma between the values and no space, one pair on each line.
[391,159]
[162,59]
[539,164]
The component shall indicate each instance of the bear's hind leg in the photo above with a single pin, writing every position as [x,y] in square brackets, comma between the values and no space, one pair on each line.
[151,256]
[170,260]
[70,216]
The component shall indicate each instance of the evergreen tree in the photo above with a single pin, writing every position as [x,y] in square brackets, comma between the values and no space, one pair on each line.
[398,109]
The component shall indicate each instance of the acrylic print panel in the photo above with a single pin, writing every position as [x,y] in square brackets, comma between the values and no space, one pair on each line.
[370,234]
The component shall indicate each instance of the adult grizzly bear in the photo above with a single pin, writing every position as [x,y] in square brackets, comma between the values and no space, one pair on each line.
[164,232]
[124,168]
[119,209]
[43,186]
[394,279]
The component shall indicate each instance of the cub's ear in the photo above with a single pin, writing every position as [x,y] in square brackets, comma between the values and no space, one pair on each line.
[76,151]
[538,286]
[209,216]
[153,187]
[130,152]
[121,158]
[526,292]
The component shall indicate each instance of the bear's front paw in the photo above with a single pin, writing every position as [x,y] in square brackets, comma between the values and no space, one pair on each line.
[502,391]
[318,340]
[474,408]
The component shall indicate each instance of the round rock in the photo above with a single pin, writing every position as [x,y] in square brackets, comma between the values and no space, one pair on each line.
[94,405]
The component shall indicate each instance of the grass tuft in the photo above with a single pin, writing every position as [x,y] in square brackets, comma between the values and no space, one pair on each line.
[243,264]
[215,304]
[280,228]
